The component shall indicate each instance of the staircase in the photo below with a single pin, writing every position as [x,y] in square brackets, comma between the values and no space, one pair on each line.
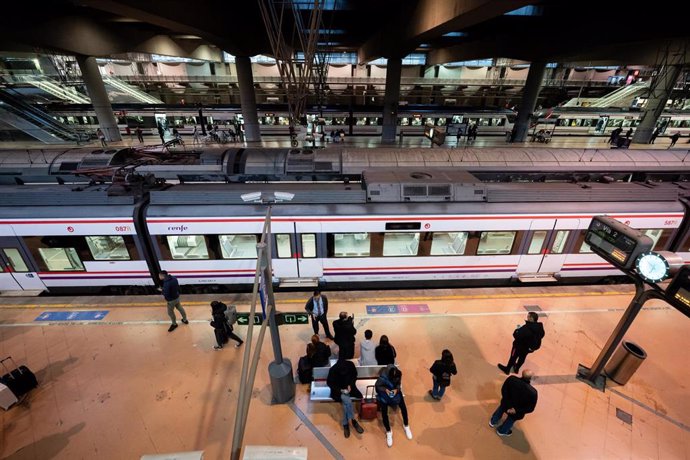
[66,93]
[130,90]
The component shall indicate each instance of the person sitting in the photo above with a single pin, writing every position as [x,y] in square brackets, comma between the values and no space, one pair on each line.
[385,352]
[319,353]
[367,355]
[342,379]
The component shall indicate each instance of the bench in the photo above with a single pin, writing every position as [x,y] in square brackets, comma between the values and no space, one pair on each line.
[366,376]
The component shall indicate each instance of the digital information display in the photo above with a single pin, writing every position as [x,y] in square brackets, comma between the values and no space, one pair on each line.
[616,242]
[679,289]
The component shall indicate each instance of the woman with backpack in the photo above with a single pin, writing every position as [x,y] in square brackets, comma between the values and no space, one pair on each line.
[221,324]
[389,393]
[441,370]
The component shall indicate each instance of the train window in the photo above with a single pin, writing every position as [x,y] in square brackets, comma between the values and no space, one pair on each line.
[498,121]
[187,247]
[582,247]
[400,244]
[659,236]
[449,243]
[495,243]
[404,121]
[107,247]
[308,245]
[60,259]
[16,260]
[238,246]
[615,123]
[351,245]
[457,119]
[537,242]
[558,245]
[283,245]
[588,122]
[361,121]
[440,122]
[429,121]
[416,121]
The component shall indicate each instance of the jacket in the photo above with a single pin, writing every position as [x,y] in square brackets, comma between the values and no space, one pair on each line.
[526,335]
[442,372]
[384,386]
[518,394]
[310,305]
[171,288]
[344,332]
[367,357]
[321,355]
[342,374]
[385,354]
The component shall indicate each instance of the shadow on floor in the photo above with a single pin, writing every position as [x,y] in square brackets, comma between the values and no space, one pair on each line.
[54,370]
[48,447]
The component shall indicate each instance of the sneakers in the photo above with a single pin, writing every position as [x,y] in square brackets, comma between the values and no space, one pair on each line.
[389,438]
[238,344]
[503,368]
[504,434]
[408,431]
[217,347]
[492,425]
[358,428]
[431,393]
[346,428]
[172,327]
[184,321]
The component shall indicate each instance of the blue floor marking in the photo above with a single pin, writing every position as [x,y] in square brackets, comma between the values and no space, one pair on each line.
[92,315]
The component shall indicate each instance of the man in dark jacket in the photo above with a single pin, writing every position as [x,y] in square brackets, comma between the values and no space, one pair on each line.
[345,334]
[518,397]
[317,307]
[527,339]
[342,379]
[171,293]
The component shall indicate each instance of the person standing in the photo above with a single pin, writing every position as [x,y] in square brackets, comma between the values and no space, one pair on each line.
[317,307]
[518,398]
[140,135]
[101,137]
[389,393]
[527,340]
[161,132]
[441,370]
[341,380]
[385,352]
[171,294]
[345,334]
[367,354]
[655,134]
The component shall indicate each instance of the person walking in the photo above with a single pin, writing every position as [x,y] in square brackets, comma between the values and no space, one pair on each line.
[220,314]
[441,370]
[345,334]
[655,134]
[171,294]
[385,352]
[367,354]
[527,340]
[389,393]
[161,132]
[317,307]
[101,137]
[674,139]
[140,134]
[518,398]
[341,380]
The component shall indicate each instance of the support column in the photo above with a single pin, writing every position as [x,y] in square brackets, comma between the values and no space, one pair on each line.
[391,100]
[99,97]
[660,91]
[245,81]
[530,93]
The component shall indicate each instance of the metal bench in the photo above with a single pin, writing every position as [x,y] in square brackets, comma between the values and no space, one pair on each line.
[366,376]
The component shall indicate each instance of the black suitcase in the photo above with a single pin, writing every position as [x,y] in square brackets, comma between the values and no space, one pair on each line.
[305,371]
[20,380]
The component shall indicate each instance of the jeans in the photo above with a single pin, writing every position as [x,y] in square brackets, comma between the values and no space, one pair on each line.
[438,389]
[384,414]
[507,425]
[348,409]
[172,304]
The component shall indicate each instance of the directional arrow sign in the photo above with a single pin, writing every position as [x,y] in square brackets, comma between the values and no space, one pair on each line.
[295,317]
[243,319]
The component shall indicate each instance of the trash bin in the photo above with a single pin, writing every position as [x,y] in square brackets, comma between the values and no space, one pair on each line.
[625,362]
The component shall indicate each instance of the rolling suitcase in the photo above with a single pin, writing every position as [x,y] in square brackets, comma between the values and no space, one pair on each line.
[369,406]
[20,380]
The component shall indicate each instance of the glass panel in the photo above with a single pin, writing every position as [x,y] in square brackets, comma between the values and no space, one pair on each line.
[584,248]
[537,243]
[61,259]
[16,260]
[107,247]
[558,245]
[351,244]
[308,245]
[654,234]
[284,246]
[400,244]
[451,243]
[238,246]
[187,247]
[495,243]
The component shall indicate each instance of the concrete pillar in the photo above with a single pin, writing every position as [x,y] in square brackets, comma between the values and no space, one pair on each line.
[660,90]
[391,99]
[245,81]
[99,97]
[530,93]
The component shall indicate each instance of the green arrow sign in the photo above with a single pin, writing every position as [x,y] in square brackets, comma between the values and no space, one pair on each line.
[295,317]
[243,319]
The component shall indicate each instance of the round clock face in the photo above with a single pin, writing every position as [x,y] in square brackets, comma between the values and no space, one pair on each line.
[652,267]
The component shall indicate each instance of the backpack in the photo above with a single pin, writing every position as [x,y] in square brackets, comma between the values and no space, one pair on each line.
[231,314]
[305,372]
[536,343]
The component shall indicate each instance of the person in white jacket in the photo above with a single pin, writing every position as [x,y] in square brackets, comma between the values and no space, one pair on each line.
[366,350]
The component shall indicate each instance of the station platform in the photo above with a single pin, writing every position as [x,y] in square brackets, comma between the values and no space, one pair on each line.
[120,386]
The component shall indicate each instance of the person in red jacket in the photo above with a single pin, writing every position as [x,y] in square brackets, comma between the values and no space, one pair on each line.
[518,398]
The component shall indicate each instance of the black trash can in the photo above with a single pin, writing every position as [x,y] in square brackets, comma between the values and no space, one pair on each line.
[625,362]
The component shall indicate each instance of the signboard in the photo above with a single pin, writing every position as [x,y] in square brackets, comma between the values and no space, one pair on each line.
[678,291]
[72,315]
[243,319]
[396,309]
[292,317]
[616,242]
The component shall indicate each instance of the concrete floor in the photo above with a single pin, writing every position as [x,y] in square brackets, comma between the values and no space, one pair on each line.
[124,386]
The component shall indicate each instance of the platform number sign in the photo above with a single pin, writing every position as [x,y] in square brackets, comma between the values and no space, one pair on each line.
[615,242]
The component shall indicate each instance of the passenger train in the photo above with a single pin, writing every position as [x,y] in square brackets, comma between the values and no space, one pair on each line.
[410,227]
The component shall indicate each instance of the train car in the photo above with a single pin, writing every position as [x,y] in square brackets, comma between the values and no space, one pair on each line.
[409,227]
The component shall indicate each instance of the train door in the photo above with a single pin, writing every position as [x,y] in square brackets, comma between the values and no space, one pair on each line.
[662,123]
[7,281]
[20,264]
[309,264]
[545,252]
[531,260]
[284,263]
[602,122]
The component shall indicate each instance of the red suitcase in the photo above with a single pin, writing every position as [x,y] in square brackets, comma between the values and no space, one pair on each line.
[368,406]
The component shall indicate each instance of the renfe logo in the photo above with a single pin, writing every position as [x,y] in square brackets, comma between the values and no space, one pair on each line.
[177,228]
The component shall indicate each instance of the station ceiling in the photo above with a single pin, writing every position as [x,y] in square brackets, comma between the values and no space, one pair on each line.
[585,31]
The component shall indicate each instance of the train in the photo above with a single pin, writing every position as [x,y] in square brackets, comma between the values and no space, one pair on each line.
[405,227]
[216,164]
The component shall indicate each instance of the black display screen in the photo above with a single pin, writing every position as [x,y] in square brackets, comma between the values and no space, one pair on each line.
[612,241]
[679,289]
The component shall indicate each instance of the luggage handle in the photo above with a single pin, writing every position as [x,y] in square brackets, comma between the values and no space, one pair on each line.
[2,361]
[373,392]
